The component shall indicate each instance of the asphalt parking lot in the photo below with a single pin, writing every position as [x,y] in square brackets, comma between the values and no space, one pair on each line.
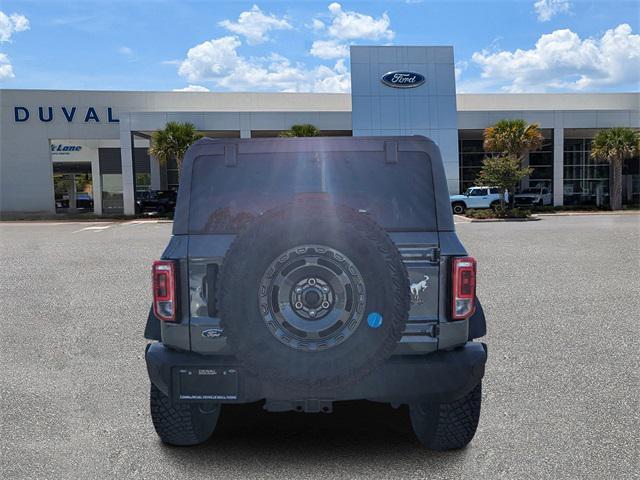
[560,397]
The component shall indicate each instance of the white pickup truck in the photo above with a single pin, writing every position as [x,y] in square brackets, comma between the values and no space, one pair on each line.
[539,196]
[477,197]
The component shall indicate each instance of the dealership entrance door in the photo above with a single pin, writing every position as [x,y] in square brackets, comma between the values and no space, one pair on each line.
[73,187]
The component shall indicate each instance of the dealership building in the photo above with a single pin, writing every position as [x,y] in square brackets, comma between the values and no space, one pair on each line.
[63,151]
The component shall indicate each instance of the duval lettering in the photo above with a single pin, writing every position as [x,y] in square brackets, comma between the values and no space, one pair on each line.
[66,113]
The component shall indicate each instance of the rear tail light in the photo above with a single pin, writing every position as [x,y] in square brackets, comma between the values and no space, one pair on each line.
[164,290]
[463,287]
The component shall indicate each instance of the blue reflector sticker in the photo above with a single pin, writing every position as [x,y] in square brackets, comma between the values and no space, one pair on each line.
[374,319]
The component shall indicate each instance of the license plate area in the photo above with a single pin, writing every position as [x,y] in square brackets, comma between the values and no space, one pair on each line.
[205,384]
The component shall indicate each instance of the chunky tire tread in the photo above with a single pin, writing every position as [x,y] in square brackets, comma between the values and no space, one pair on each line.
[448,426]
[180,423]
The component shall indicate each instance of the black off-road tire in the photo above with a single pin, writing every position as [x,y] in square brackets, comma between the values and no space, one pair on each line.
[447,426]
[181,424]
[459,208]
[313,222]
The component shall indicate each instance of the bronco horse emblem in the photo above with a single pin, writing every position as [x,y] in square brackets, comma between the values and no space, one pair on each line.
[417,289]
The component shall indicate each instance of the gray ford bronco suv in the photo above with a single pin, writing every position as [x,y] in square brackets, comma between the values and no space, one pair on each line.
[306,271]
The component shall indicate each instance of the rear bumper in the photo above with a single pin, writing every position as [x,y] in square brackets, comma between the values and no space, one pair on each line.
[441,376]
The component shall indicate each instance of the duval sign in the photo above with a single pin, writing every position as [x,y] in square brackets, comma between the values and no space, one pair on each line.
[401,79]
[66,113]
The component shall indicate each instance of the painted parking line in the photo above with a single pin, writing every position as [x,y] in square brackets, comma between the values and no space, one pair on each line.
[134,223]
[38,223]
[94,228]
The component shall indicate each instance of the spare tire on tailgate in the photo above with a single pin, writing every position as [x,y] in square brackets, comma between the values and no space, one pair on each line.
[313,294]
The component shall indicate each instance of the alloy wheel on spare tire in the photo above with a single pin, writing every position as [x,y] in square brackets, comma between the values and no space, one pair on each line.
[313,294]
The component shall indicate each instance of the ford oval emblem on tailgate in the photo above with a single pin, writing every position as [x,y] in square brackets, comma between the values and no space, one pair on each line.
[212,332]
[399,79]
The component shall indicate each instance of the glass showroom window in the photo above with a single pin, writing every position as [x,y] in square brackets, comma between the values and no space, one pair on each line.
[112,200]
[542,163]
[143,182]
[472,153]
[586,181]
[142,169]
[471,156]
[173,174]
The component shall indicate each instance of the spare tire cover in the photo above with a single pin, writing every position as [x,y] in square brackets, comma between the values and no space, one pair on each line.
[313,294]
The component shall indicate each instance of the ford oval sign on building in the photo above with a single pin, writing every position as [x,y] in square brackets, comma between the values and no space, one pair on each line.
[401,79]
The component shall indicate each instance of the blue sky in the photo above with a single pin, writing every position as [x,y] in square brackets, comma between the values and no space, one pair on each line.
[500,46]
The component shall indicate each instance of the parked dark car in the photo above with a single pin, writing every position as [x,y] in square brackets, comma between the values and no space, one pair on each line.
[157,201]
[307,271]
[84,201]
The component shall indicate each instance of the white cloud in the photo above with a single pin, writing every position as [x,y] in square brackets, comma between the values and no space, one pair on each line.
[218,61]
[10,24]
[332,80]
[547,9]
[6,69]
[254,25]
[125,51]
[562,60]
[347,25]
[317,25]
[210,59]
[328,49]
[192,88]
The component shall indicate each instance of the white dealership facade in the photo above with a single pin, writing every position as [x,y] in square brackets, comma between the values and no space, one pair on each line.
[98,140]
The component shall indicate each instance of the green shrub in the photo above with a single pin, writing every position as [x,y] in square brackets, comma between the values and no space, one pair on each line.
[517,213]
[487,213]
[490,213]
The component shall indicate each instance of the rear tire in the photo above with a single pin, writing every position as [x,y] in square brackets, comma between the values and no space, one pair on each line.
[447,426]
[496,207]
[181,424]
[459,208]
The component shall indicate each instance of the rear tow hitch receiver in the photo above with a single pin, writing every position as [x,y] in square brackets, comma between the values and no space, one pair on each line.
[306,406]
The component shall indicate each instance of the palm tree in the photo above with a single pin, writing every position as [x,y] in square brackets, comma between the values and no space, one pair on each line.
[304,130]
[614,146]
[173,142]
[513,138]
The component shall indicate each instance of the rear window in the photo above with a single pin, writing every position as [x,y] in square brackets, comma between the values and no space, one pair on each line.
[397,196]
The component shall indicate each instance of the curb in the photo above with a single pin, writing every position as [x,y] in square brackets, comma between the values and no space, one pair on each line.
[88,220]
[573,214]
[493,220]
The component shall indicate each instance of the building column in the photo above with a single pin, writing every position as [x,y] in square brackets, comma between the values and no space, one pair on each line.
[558,166]
[245,133]
[154,165]
[96,184]
[126,157]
